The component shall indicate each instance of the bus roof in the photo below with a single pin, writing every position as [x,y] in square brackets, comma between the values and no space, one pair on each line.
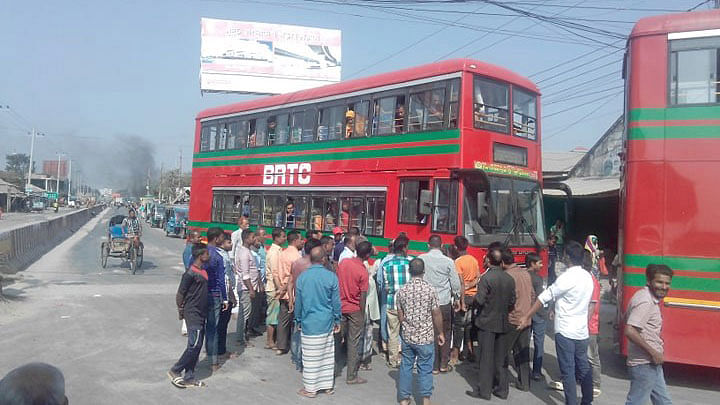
[679,22]
[383,79]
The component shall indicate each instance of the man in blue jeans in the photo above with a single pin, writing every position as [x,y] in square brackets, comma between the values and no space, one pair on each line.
[420,325]
[217,293]
[645,346]
[571,292]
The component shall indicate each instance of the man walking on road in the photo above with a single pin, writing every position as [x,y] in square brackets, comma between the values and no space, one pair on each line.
[192,303]
[282,284]
[317,311]
[422,326]
[645,345]
[272,264]
[217,291]
[193,238]
[354,283]
[534,264]
[495,299]
[441,274]
[518,343]
[571,292]
[396,272]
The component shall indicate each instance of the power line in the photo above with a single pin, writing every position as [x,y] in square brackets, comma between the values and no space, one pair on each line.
[582,73]
[556,133]
[581,105]
[565,99]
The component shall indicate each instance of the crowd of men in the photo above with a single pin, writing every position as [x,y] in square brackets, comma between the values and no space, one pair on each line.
[319,299]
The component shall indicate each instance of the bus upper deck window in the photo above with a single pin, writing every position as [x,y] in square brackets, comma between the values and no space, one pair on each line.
[490,107]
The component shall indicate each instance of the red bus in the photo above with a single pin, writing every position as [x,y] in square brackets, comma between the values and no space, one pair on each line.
[670,195]
[451,148]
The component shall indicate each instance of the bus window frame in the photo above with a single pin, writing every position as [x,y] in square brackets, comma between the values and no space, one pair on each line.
[508,109]
[450,208]
[376,97]
[669,78]
[419,179]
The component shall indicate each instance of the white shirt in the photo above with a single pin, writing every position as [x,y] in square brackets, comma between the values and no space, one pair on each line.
[346,254]
[571,292]
[236,238]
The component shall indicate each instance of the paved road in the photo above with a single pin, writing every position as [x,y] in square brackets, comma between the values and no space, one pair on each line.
[114,335]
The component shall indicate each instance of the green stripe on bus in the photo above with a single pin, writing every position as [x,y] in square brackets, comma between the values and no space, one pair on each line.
[678,282]
[342,143]
[675,113]
[375,240]
[675,132]
[359,154]
[675,262]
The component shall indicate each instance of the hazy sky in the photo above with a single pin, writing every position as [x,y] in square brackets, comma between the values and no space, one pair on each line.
[91,74]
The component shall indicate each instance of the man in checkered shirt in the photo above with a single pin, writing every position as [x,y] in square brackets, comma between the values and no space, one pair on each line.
[421,324]
[396,273]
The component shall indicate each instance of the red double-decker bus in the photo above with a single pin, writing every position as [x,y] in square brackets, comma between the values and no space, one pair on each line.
[670,195]
[451,148]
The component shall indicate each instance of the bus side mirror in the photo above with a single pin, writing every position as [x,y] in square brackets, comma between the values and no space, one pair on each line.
[425,203]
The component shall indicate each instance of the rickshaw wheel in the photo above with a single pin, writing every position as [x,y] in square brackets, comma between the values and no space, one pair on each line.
[104,254]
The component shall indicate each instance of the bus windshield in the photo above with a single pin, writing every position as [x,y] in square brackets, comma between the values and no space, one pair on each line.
[498,208]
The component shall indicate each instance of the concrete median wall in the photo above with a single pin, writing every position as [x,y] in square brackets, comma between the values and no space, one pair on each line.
[20,247]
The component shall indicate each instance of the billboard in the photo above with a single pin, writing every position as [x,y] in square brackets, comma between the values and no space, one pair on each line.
[50,168]
[251,57]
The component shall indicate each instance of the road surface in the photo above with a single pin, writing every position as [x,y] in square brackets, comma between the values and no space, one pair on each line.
[115,335]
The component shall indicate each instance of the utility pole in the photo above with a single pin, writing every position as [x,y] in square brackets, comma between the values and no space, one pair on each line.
[160,182]
[30,165]
[57,184]
[69,176]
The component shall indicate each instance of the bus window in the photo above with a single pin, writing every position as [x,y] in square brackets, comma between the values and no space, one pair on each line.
[278,130]
[331,214]
[255,209]
[445,206]
[296,124]
[476,209]
[316,213]
[695,71]
[331,123]
[223,135]
[257,138]
[427,110]
[490,109]
[213,137]
[409,201]
[300,211]
[310,120]
[524,113]
[232,135]
[216,212]
[274,206]
[453,104]
[374,216]
[205,138]
[351,212]
[389,115]
[361,110]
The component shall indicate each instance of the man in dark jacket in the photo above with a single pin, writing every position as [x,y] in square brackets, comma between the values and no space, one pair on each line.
[192,303]
[495,299]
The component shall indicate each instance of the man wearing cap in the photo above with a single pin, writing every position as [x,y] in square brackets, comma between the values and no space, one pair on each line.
[339,245]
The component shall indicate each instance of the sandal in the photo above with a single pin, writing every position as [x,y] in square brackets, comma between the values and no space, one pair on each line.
[331,391]
[436,372]
[365,367]
[195,384]
[306,394]
[176,380]
[447,370]
[357,380]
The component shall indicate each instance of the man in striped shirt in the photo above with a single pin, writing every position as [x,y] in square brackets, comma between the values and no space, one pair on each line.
[396,273]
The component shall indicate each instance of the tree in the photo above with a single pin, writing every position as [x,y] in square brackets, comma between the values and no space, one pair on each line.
[18,163]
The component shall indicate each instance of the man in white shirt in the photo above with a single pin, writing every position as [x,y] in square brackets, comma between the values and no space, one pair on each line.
[571,292]
[236,236]
[349,250]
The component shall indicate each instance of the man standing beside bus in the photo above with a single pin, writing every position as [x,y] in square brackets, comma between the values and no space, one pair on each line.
[645,345]
[440,273]
[282,284]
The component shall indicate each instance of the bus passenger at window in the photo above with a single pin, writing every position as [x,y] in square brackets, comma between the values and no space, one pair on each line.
[345,216]
[251,139]
[271,127]
[329,217]
[349,123]
[435,112]
[399,119]
[288,215]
